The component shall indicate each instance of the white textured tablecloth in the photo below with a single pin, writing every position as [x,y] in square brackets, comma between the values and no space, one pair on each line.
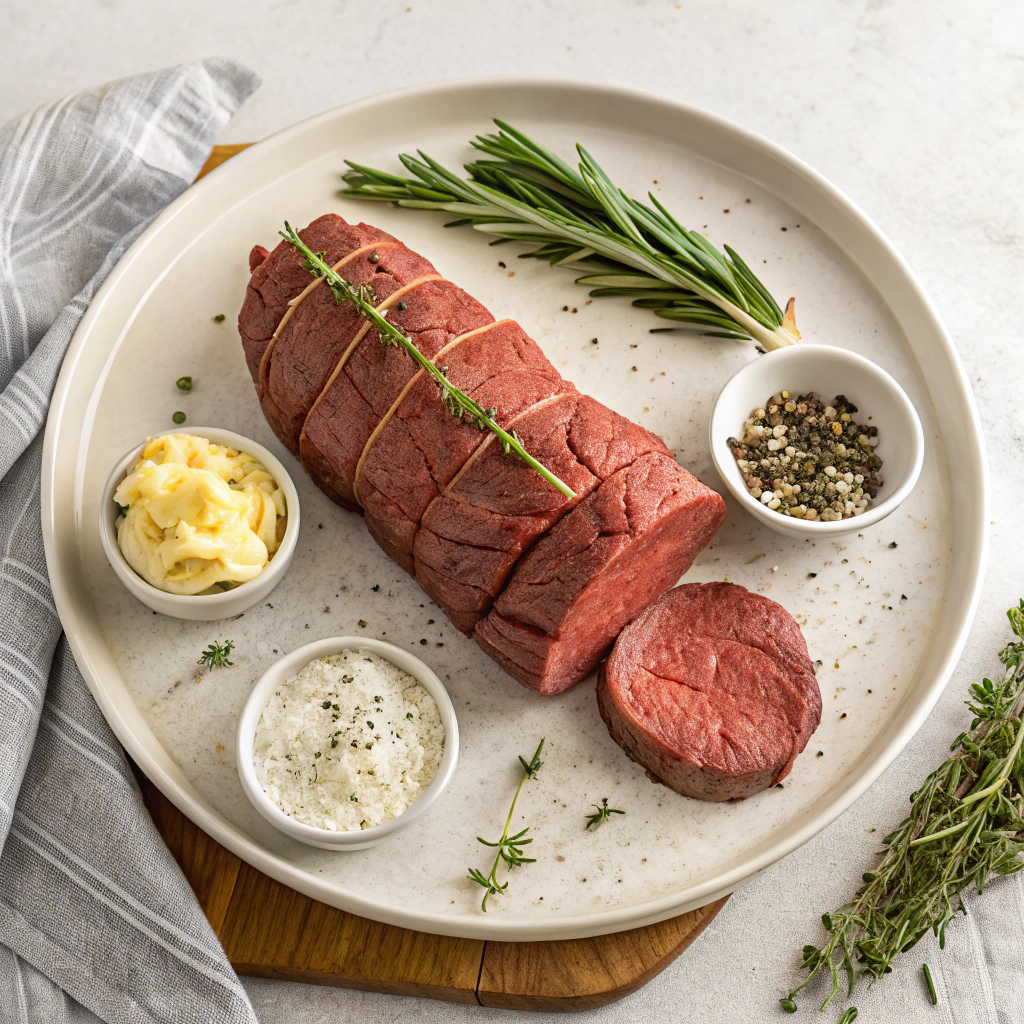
[914,108]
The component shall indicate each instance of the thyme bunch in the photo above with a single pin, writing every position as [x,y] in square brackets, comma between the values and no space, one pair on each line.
[458,403]
[579,219]
[509,848]
[966,825]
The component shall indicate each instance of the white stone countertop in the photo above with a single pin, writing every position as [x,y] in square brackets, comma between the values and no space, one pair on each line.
[913,108]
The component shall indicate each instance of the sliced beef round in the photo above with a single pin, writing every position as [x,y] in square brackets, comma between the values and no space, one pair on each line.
[278,277]
[471,536]
[597,568]
[712,691]
[420,446]
[365,386]
[300,361]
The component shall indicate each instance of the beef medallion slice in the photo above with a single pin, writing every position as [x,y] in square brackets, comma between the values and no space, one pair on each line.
[596,569]
[300,361]
[420,446]
[471,536]
[278,277]
[711,689]
[366,385]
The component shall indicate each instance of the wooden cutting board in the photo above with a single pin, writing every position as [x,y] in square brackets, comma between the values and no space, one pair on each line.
[272,931]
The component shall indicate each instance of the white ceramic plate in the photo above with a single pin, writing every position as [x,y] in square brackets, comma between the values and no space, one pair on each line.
[885,623]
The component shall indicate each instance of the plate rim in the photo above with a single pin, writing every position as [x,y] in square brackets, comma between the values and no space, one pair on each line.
[581,925]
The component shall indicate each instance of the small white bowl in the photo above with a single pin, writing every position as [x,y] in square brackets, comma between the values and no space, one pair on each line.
[202,607]
[288,666]
[829,371]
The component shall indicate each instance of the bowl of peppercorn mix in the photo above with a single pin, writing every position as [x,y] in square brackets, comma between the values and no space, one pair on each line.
[813,439]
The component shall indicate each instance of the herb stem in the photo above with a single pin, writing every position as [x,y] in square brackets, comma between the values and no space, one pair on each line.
[509,848]
[1000,781]
[458,402]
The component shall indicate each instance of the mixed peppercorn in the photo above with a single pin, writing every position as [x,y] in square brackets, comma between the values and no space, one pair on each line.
[808,460]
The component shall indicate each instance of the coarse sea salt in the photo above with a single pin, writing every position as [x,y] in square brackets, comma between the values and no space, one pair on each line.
[348,742]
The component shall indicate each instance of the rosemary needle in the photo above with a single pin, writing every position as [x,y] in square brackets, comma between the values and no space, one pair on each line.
[580,220]
[966,825]
[459,404]
[510,848]
[931,984]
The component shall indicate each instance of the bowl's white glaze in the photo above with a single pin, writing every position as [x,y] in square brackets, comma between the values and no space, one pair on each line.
[829,371]
[202,607]
[287,667]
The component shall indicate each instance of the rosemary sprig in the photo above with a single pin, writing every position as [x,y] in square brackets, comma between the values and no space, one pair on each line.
[577,218]
[509,848]
[602,813]
[459,404]
[216,655]
[966,824]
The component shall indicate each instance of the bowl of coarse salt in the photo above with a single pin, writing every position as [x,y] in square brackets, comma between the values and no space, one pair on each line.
[346,741]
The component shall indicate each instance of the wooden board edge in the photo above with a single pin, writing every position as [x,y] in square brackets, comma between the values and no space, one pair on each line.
[219,155]
[420,991]
[584,974]
[210,869]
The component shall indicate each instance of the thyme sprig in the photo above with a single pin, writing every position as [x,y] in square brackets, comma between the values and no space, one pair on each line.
[578,219]
[966,825]
[602,813]
[216,655]
[509,848]
[458,403]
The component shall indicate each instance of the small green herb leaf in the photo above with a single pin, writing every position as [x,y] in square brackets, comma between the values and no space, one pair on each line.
[216,655]
[219,318]
[600,815]
[184,383]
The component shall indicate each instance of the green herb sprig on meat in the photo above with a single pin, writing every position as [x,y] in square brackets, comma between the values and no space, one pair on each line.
[458,403]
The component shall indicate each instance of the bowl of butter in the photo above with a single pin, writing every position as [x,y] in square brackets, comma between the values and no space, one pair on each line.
[199,525]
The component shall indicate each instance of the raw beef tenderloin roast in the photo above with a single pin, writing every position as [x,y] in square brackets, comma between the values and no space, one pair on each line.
[543,582]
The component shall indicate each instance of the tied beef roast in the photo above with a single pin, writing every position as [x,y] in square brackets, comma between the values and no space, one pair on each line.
[543,582]
[370,379]
[419,447]
[712,690]
[472,535]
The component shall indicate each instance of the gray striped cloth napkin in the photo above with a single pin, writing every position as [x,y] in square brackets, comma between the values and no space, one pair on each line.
[96,919]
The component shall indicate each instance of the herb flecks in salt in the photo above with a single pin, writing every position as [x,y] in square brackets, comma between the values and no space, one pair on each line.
[802,458]
[310,752]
